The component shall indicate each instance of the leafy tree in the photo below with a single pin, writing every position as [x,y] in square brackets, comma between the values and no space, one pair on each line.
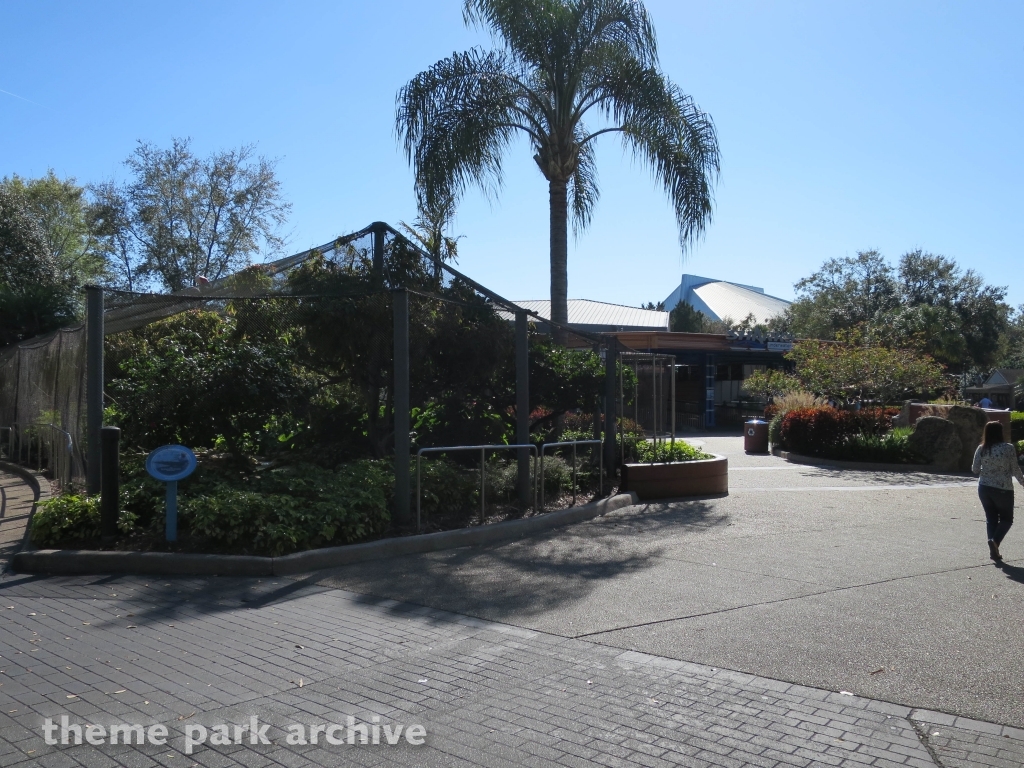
[35,297]
[181,218]
[200,376]
[562,63]
[61,209]
[845,293]
[851,369]
[685,319]
[928,300]
[765,385]
[1011,343]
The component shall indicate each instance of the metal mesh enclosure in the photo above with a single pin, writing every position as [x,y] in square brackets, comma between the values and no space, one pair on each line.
[42,402]
[298,355]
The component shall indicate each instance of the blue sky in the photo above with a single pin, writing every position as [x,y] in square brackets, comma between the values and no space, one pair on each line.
[843,126]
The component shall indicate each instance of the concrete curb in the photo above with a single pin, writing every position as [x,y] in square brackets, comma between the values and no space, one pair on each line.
[796,458]
[85,562]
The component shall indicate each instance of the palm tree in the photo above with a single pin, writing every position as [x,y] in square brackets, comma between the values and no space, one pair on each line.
[560,62]
[427,229]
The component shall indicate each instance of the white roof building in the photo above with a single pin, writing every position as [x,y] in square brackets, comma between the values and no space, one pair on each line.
[599,317]
[719,299]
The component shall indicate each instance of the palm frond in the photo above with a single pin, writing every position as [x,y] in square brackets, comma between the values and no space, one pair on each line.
[456,119]
[583,189]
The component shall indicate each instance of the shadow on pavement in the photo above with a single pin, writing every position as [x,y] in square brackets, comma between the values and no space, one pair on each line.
[524,577]
[1013,572]
[531,576]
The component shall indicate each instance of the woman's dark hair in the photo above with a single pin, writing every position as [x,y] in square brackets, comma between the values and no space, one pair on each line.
[993,435]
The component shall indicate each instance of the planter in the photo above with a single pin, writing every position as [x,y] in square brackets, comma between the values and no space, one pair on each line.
[677,478]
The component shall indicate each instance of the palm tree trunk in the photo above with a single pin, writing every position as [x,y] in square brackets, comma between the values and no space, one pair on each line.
[559,258]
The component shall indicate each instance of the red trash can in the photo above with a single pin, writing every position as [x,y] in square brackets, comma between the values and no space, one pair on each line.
[755,436]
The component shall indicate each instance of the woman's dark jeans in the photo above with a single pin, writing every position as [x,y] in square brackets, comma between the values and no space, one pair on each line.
[998,506]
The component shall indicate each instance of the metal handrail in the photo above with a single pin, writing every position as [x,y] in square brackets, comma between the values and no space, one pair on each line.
[59,462]
[573,443]
[483,470]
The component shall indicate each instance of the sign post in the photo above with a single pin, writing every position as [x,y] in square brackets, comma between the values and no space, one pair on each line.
[169,464]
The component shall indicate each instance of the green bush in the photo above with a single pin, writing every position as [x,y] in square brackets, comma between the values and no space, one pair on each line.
[775,429]
[891,448]
[665,452]
[294,508]
[72,518]
[447,488]
[1017,426]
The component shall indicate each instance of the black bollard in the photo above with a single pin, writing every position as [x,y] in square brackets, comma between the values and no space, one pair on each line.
[110,499]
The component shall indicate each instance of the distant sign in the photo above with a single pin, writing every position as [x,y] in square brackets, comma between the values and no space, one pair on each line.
[171,463]
[780,346]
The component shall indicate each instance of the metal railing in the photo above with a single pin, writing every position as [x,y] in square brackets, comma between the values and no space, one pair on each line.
[573,443]
[483,472]
[54,449]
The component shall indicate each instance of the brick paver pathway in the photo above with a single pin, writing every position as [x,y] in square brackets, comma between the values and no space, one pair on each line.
[106,650]
[16,499]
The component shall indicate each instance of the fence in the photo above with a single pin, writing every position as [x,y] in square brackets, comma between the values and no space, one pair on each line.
[42,403]
[363,347]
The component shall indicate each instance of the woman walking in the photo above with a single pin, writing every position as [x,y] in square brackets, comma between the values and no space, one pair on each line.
[995,462]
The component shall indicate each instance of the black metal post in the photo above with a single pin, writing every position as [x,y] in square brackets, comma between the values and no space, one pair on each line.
[94,388]
[523,407]
[609,406]
[400,307]
[111,480]
[378,248]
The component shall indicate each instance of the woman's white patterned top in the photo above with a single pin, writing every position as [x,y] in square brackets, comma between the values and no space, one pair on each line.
[998,466]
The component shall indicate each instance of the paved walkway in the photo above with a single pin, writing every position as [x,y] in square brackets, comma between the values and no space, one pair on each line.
[16,500]
[179,652]
[608,643]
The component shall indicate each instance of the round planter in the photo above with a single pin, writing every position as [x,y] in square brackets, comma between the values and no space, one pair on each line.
[678,478]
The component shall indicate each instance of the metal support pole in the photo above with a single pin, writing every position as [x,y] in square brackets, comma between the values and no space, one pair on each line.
[483,483]
[111,483]
[523,408]
[673,402]
[400,308]
[378,249]
[94,388]
[609,407]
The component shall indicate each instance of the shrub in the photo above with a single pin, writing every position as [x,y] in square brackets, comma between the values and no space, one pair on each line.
[775,429]
[295,508]
[890,448]
[666,452]
[448,489]
[816,431]
[71,518]
[1017,425]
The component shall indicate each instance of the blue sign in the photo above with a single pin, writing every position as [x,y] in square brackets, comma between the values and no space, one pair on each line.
[171,463]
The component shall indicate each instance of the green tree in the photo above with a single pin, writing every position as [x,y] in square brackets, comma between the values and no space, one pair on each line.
[685,319]
[927,300]
[35,296]
[768,384]
[845,293]
[181,218]
[62,210]
[850,369]
[562,63]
